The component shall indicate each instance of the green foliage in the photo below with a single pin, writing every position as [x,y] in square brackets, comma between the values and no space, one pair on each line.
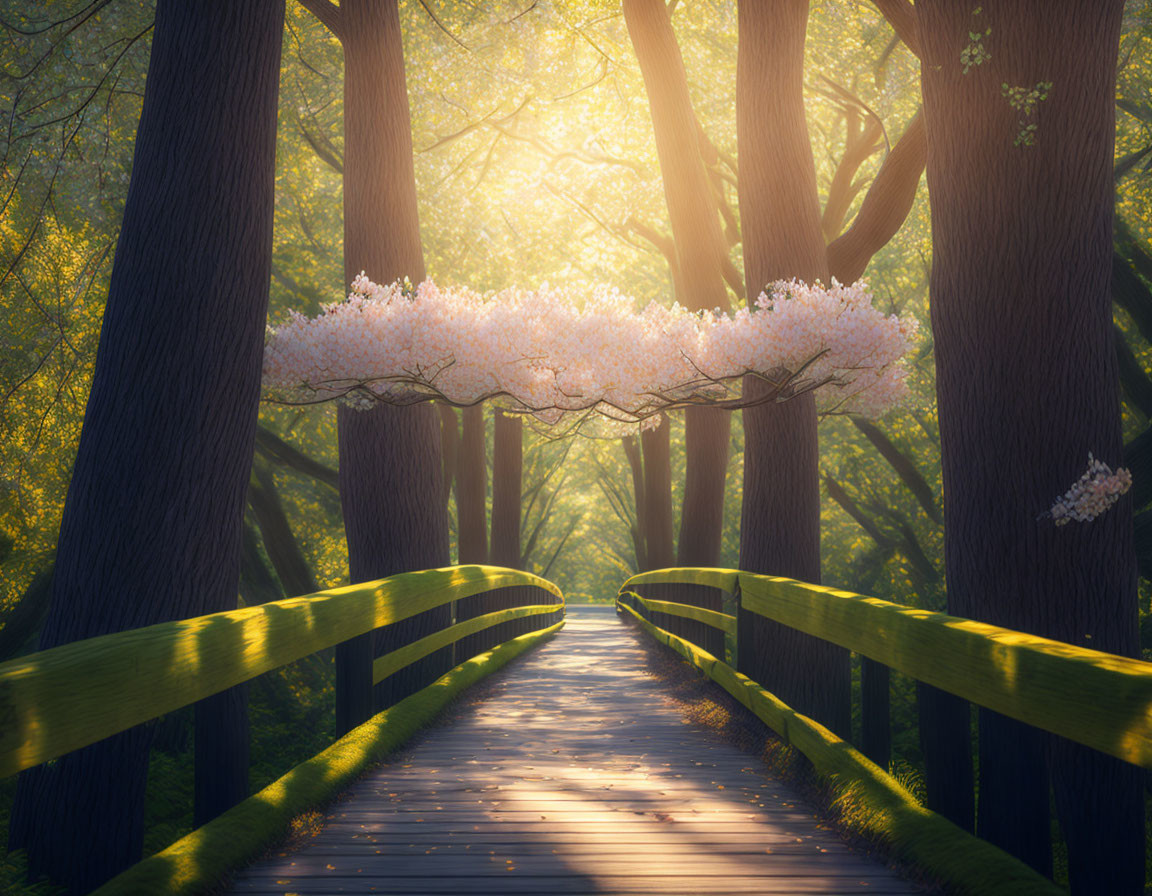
[534,161]
[1025,100]
[975,53]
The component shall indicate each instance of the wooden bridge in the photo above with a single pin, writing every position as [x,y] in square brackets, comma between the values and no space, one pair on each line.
[574,774]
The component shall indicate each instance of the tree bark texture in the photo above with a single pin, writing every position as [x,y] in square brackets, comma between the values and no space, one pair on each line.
[391,476]
[1027,387]
[780,221]
[636,465]
[152,527]
[472,523]
[507,474]
[657,450]
[701,252]
[472,488]
[449,447]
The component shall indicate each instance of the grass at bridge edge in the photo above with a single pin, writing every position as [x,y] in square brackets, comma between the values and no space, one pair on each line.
[879,807]
[198,862]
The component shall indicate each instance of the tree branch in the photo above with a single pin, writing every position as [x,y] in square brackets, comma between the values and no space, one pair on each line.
[885,206]
[326,11]
[901,15]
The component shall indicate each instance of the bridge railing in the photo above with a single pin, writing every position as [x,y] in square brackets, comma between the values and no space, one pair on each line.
[62,699]
[1097,699]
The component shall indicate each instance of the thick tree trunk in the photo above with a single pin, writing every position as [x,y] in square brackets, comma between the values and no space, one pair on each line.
[449,447]
[658,496]
[1027,387]
[391,476]
[639,532]
[153,520]
[507,473]
[701,251]
[472,524]
[472,488]
[780,221]
[706,436]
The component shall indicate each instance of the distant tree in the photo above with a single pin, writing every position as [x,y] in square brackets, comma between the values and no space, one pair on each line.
[698,259]
[1019,115]
[780,218]
[783,238]
[472,488]
[153,520]
[391,475]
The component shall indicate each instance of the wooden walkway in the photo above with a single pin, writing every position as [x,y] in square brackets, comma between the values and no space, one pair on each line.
[577,775]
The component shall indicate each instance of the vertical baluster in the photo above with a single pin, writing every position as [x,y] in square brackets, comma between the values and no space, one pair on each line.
[876,728]
[353,682]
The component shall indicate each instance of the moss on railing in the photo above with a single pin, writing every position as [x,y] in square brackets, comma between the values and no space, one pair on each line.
[62,699]
[198,862]
[882,808]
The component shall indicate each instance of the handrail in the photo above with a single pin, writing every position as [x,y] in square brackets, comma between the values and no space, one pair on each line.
[61,699]
[197,862]
[881,806]
[1098,699]
[710,577]
[722,621]
[393,662]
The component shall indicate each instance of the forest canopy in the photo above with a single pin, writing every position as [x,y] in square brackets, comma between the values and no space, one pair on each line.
[534,163]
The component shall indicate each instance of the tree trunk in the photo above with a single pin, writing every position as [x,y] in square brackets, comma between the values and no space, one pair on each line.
[472,524]
[658,496]
[153,520]
[507,472]
[449,447]
[706,436]
[391,475]
[700,254]
[780,221]
[1027,387]
[472,489]
[636,465]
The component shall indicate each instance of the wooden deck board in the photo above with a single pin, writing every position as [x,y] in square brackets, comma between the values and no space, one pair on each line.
[576,776]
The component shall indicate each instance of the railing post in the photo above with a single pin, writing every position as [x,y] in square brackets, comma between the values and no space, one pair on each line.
[732,642]
[946,742]
[876,726]
[353,682]
[221,753]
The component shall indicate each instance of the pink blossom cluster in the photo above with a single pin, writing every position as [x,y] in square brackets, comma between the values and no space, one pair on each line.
[553,352]
[1093,493]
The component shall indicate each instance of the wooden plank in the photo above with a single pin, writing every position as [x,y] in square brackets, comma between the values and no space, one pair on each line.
[576,883]
[198,861]
[59,700]
[575,776]
[1097,699]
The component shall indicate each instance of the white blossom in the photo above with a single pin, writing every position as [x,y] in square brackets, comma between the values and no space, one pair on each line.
[556,352]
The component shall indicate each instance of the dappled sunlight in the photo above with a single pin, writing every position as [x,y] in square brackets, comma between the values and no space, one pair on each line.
[55,701]
[574,774]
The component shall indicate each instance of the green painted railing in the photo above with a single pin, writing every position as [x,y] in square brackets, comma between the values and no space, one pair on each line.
[1097,699]
[56,701]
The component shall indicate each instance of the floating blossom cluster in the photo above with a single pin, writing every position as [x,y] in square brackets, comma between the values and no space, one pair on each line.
[1093,493]
[552,352]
